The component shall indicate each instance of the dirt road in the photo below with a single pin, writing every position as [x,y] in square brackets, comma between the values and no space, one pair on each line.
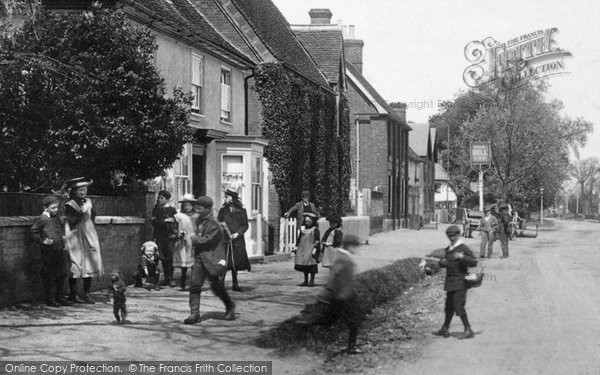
[538,312]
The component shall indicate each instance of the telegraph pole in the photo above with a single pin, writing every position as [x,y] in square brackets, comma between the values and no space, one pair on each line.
[542,205]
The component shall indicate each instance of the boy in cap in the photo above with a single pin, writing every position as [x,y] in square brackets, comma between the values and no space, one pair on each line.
[49,232]
[457,260]
[209,244]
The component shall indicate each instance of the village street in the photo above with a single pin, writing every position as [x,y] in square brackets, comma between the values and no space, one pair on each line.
[537,312]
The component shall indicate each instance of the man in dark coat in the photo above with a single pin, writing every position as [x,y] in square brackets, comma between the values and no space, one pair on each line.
[504,228]
[302,207]
[209,261]
[163,217]
[458,258]
[235,216]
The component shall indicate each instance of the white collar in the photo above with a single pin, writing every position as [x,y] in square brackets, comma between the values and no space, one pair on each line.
[458,243]
[46,213]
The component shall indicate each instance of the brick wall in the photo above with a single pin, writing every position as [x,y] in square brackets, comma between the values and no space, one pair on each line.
[20,264]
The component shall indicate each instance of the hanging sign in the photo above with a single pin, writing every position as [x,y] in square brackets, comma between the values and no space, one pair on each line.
[481,152]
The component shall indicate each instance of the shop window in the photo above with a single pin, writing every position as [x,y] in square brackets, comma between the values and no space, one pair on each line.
[233,174]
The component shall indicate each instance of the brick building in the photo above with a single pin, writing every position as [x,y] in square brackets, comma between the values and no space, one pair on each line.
[382,138]
[421,178]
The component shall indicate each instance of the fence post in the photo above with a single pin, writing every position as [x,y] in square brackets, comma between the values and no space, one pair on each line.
[259,240]
[282,230]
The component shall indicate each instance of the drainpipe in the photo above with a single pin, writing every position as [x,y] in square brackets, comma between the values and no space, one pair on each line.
[246,103]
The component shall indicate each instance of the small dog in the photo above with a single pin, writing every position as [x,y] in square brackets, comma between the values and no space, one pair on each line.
[117,289]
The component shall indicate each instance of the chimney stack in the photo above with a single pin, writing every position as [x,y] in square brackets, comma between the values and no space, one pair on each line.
[353,48]
[320,16]
[400,109]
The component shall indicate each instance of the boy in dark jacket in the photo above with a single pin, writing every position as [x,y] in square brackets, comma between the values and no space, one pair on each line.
[49,232]
[458,258]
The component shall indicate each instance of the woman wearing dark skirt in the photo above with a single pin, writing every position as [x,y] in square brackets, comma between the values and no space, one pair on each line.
[235,216]
[308,245]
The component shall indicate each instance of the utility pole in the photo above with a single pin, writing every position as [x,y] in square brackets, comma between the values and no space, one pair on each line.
[542,205]
[448,173]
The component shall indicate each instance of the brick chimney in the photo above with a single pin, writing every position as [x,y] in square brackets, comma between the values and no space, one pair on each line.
[320,16]
[400,109]
[353,51]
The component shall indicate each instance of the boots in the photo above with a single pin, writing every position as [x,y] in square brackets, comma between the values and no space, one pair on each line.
[442,332]
[467,334]
[230,311]
[194,309]
[234,281]
[352,349]
[183,277]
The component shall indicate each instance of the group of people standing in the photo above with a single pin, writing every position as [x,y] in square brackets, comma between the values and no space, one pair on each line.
[70,248]
[311,248]
[495,225]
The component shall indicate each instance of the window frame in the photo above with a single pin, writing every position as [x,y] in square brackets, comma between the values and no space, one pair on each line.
[226,72]
[197,84]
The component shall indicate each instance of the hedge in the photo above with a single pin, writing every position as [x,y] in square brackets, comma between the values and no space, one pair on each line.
[374,287]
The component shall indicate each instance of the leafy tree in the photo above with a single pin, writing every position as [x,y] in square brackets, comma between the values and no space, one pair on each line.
[586,173]
[82,97]
[530,140]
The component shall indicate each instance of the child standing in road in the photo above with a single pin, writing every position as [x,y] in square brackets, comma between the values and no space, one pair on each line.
[457,260]
[307,247]
[332,239]
[49,232]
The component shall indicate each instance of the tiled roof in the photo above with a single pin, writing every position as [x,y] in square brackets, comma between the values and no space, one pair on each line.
[182,17]
[418,139]
[363,81]
[412,155]
[218,19]
[274,31]
[325,47]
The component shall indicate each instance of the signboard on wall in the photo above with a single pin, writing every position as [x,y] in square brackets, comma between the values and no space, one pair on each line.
[481,152]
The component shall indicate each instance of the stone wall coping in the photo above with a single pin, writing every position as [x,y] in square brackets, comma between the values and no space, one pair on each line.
[18,221]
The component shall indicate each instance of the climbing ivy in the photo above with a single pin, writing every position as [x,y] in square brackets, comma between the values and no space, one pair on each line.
[306,151]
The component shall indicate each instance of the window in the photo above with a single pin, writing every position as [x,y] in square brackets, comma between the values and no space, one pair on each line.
[256,185]
[183,173]
[197,84]
[232,167]
[225,95]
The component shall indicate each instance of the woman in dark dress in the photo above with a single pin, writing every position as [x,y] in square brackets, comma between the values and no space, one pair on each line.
[165,234]
[235,216]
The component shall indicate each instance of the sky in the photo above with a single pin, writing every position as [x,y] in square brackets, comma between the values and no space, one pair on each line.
[414,49]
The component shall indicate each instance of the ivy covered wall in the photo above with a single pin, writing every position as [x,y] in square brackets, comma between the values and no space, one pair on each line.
[306,150]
